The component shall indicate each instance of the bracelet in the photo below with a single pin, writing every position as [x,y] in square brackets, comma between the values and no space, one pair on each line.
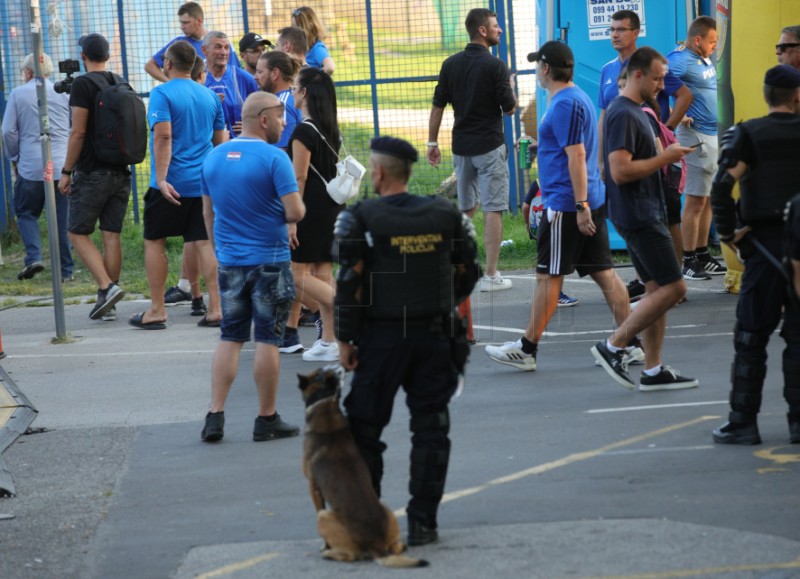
[433,144]
[67,173]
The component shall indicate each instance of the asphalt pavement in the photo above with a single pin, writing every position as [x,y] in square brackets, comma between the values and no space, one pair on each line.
[556,473]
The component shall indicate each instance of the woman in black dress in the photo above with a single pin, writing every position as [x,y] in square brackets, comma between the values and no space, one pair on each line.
[314,150]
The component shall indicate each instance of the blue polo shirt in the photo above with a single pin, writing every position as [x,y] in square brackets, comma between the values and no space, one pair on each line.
[700,75]
[569,120]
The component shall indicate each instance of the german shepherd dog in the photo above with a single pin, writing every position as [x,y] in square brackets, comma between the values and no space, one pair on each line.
[354,524]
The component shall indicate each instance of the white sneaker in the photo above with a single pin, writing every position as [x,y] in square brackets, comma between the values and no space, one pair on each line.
[511,353]
[322,352]
[495,283]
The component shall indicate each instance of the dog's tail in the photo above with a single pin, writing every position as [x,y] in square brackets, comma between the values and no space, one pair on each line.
[400,561]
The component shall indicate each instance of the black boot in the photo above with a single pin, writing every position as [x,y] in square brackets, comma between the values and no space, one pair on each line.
[794,428]
[740,429]
[420,534]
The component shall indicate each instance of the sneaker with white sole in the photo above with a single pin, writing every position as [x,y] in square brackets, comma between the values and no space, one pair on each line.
[290,344]
[106,299]
[511,353]
[633,355]
[667,379]
[564,301]
[612,362]
[693,270]
[110,315]
[711,265]
[175,295]
[494,283]
[322,352]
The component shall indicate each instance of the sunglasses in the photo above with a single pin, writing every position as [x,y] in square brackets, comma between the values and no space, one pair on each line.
[297,12]
[261,112]
[782,47]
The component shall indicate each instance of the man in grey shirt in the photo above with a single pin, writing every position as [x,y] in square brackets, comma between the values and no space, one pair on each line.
[23,147]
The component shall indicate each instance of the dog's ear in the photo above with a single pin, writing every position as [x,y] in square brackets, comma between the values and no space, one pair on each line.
[303,382]
[331,379]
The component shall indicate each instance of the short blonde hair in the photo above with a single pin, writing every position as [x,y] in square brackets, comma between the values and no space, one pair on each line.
[46,67]
[308,20]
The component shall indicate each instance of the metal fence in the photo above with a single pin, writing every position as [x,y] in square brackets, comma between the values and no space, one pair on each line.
[387,55]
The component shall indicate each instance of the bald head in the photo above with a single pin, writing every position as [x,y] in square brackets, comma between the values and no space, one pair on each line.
[258,106]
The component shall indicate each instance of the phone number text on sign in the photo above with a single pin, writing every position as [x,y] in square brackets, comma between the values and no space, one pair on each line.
[599,14]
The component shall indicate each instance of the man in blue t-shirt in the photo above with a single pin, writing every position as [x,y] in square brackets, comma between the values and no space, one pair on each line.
[624,31]
[692,62]
[185,122]
[249,195]
[572,233]
[275,72]
[232,84]
[636,208]
[191,18]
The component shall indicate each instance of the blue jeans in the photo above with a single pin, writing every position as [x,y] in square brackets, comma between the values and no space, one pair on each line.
[261,295]
[29,201]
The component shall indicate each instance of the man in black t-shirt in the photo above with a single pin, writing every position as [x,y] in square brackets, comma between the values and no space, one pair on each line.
[97,190]
[480,88]
[636,208]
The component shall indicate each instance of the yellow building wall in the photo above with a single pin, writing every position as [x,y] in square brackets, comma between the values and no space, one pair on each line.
[757,28]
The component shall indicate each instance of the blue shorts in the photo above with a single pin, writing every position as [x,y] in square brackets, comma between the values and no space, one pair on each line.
[258,294]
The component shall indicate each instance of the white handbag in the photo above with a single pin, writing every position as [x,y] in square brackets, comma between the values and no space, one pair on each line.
[349,172]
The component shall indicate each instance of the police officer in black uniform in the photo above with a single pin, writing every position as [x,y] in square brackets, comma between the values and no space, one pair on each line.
[792,258]
[405,262]
[762,154]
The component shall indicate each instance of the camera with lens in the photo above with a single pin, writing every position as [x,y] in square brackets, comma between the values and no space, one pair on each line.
[66,67]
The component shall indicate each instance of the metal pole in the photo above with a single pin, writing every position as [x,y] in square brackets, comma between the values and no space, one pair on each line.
[47,162]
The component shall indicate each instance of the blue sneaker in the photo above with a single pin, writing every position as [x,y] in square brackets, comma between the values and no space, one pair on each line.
[290,344]
[564,301]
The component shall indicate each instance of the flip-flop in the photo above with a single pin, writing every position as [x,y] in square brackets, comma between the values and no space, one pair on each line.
[206,323]
[136,322]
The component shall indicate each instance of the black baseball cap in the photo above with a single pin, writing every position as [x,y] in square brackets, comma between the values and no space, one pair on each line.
[251,40]
[94,46]
[555,54]
[782,76]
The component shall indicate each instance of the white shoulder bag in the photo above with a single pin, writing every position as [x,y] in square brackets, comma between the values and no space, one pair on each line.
[349,173]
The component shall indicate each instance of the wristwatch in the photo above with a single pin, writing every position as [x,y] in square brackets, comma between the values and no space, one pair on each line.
[580,205]
[67,173]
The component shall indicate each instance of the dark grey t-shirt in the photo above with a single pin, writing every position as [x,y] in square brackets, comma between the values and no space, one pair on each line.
[639,203]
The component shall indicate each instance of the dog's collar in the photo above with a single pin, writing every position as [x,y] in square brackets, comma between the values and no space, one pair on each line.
[321,395]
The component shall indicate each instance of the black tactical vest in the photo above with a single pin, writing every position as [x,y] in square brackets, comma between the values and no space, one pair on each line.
[409,270]
[774,175]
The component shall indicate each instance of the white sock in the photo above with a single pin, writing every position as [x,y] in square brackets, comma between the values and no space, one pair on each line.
[653,371]
[184,285]
[613,349]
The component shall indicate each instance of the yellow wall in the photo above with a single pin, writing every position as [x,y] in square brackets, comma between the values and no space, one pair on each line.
[756,29]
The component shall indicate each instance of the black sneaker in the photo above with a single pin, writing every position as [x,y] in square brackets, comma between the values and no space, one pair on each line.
[667,379]
[106,299]
[175,295]
[711,265]
[420,534]
[745,433]
[31,270]
[266,430]
[794,429]
[693,270]
[635,290]
[199,307]
[613,363]
[214,429]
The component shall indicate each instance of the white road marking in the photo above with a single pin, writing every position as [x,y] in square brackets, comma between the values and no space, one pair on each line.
[653,407]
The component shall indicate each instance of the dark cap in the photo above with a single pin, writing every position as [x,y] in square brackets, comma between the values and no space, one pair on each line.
[251,40]
[555,54]
[782,76]
[395,148]
[94,46]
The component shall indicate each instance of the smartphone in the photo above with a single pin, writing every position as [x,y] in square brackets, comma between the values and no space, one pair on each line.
[697,146]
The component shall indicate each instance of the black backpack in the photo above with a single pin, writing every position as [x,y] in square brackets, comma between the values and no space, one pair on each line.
[120,122]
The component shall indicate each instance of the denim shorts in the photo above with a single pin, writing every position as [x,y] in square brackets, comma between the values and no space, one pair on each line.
[257,294]
[483,178]
[102,195]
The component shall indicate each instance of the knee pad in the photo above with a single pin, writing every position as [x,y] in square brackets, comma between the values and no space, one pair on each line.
[438,421]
